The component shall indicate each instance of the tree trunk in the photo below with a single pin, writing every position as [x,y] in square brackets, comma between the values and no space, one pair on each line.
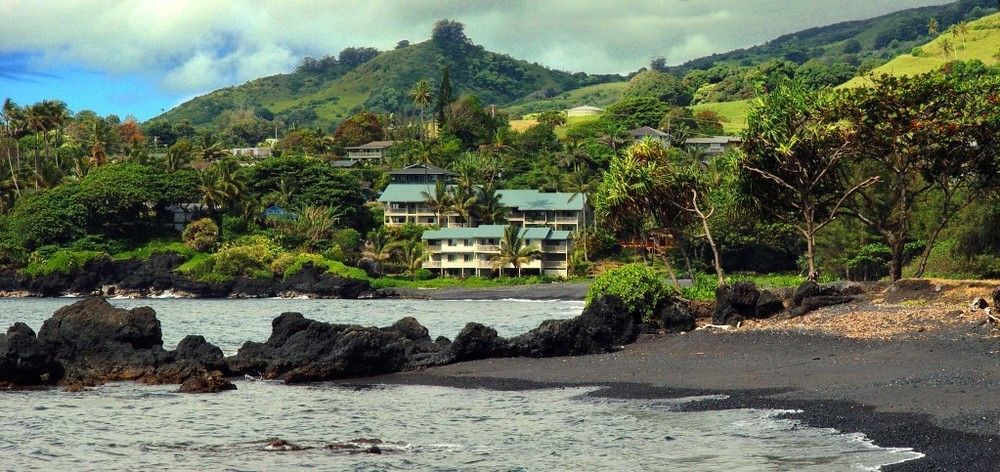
[716,258]
[896,263]
[670,271]
[930,245]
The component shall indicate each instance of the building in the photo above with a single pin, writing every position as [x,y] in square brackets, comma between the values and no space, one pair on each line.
[344,163]
[644,132]
[465,252]
[421,174]
[253,152]
[584,110]
[714,145]
[407,203]
[373,151]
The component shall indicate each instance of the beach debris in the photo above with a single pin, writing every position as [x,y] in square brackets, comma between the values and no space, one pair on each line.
[979,303]
[717,326]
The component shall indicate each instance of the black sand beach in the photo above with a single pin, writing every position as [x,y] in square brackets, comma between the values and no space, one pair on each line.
[936,393]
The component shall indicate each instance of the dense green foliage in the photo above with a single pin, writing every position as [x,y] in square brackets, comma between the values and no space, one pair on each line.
[638,286]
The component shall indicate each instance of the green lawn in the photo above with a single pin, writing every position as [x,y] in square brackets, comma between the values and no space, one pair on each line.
[734,112]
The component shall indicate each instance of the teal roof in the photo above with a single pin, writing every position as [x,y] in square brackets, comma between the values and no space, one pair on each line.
[524,200]
[495,232]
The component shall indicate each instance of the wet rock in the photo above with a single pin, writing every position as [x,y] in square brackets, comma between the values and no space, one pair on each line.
[207,382]
[412,330]
[475,341]
[304,350]
[25,360]
[768,305]
[735,303]
[360,445]
[280,445]
[603,326]
[676,316]
[442,341]
[197,350]
[315,281]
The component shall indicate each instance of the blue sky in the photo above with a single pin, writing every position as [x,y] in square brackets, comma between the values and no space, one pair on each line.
[138,57]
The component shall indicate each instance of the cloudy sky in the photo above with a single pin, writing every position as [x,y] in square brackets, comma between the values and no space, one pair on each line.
[140,56]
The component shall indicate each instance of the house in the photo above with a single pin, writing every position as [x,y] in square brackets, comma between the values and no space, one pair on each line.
[714,145]
[420,174]
[343,163]
[373,151]
[179,215]
[407,203]
[584,110]
[465,252]
[644,132]
[253,152]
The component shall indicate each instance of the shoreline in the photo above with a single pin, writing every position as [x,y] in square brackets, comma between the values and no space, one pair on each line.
[928,395]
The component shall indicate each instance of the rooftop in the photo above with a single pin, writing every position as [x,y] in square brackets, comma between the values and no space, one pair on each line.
[372,145]
[495,232]
[647,131]
[586,108]
[524,200]
[714,140]
[423,169]
[344,163]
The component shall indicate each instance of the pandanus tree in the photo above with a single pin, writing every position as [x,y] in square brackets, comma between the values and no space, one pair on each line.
[796,154]
[514,251]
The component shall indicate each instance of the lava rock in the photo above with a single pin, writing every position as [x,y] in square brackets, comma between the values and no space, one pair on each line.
[604,325]
[196,350]
[768,305]
[735,303]
[814,303]
[24,360]
[207,382]
[475,341]
[979,304]
[995,296]
[676,316]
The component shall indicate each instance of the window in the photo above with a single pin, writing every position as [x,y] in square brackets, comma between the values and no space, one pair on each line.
[465,258]
[451,242]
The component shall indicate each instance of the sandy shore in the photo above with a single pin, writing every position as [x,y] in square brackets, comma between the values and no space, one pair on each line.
[551,291]
[922,375]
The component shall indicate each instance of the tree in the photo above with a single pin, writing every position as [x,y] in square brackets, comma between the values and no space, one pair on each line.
[635,111]
[210,150]
[659,85]
[359,129]
[421,96]
[581,183]
[413,254]
[378,246]
[947,47]
[463,203]
[212,194]
[933,28]
[443,97]
[178,155]
[439,201]
[490,209]
[449,35]
[513,250]
[918,134]
[794,168]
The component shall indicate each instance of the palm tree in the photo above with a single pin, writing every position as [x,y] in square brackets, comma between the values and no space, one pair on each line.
[933,28]
[178,156]
[11,116]
[316,224]
[489,208]
[581,183]
[513,251]
[947,48]
[422,96]
[212,194]
[960,29]
[209,149]
[439,201]
[36,121]
[616,137]
[463,204]
[413,253]
[574,154]
[378,246]
[230,181]
[97,156]
[56,116]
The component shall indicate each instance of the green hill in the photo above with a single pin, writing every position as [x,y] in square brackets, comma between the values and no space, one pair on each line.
[981,42]
[324,97]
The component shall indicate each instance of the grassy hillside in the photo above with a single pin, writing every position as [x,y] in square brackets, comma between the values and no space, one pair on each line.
[981,43]
[878,38]
[599,95]
[383,84]
[734,112]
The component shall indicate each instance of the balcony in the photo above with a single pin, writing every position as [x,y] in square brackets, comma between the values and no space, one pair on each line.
[487,248]
[560,248]
[568,220]
[432,264]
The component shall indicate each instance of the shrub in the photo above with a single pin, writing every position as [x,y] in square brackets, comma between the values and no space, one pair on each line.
[287,265]
[67,261]
[201,235]
[156,246]
[424,274]
[637,285]
[235,226]
[248,256]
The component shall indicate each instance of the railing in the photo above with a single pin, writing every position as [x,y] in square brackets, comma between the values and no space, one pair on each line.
[432,264]
[555,248]
[567,219]
[487,248]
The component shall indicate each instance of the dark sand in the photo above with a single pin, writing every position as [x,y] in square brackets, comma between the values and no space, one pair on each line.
[937,393]
[549,291]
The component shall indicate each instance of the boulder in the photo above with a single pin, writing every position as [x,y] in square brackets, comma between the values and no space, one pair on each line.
[315,281]
[979,304]
[24,360]
[207,382]
[475,341]
[735,303]
[814,303]
[603,326]
[995,296]
[676,316]
[811,296]
[768,305]
[304,350]
[196,350]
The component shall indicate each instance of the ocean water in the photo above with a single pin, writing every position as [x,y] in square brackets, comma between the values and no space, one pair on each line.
[126,426]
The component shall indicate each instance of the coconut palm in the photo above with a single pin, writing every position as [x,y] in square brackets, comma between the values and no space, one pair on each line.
[513,251]
[209,149]
[36,121]
[933,28]
[178,155]
[11,116]
[947,47]
[463,204]
[439,202]
[413,254]
[378,246]
[422,96]
[581,183]
[489,207]
[573,155]
[231,181]
[212,194]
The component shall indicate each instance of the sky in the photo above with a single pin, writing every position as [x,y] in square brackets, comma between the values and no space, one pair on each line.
[139,57]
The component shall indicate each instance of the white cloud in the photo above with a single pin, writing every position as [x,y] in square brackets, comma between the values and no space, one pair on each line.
[196,45]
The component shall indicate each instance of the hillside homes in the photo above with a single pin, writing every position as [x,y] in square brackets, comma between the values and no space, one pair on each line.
[465,252]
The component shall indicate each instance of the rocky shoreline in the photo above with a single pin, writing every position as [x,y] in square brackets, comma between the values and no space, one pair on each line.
[157,276]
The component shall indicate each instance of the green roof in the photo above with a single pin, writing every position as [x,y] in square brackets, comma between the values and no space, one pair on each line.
[524,200]
[495,232]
